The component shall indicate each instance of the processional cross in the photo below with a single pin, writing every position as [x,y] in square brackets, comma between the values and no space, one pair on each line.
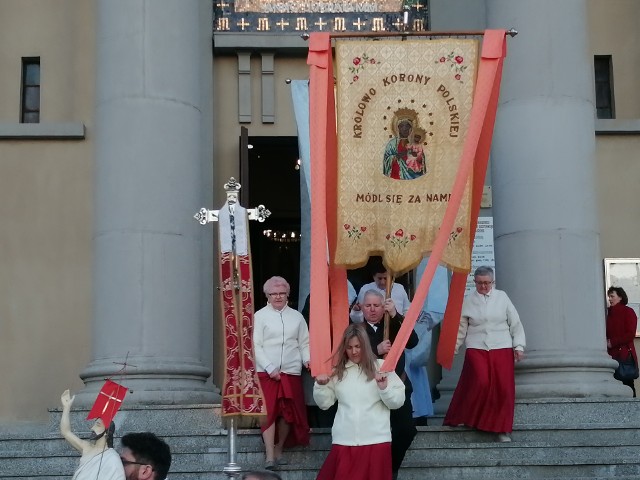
[232,187]
[241,392]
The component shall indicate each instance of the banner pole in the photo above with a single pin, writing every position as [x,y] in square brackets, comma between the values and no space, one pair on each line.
[462,33]
[387,319]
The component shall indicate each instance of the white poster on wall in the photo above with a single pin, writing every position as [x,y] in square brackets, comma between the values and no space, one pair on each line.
[482,253]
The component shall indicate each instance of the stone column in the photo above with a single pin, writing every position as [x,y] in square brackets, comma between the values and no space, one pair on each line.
[543,170]
[153,59]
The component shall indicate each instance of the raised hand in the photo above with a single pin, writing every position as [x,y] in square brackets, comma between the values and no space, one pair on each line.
[390,307]
[67,399]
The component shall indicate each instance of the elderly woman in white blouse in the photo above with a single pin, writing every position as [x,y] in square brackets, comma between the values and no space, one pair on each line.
[491,329]
[281,343]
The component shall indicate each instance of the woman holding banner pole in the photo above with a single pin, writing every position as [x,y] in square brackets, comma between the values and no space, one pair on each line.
[361,433]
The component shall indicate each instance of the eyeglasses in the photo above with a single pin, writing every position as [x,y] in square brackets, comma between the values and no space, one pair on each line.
[483,284]
[278,294]
[129,462]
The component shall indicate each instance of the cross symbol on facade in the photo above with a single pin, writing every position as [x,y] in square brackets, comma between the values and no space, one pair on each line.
[399,24]
[359,23]
[243,24]
[282,23]
[320,23]
[417,6]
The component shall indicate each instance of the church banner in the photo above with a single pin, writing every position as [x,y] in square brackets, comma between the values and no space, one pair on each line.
[403,108]
[241,391]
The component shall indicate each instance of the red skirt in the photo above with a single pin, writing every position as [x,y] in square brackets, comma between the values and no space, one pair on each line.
[485,396]
[367,462]
[285,398]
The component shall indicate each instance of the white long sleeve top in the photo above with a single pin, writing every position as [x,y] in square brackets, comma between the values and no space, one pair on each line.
[363,409]
[398,295]
[490,322]
[280,340]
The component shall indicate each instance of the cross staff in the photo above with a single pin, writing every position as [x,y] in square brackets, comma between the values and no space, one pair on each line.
[204,216]
[232,187]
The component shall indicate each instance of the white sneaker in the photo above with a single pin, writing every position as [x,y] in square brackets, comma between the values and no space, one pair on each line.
[503,437]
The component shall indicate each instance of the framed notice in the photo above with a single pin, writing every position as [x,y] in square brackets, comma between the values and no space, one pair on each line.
[483,254]
[625,273]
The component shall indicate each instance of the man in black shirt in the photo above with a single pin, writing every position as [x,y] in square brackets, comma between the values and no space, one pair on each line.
[403,429]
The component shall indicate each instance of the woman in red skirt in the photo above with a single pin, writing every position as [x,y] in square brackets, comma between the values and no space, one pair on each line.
[361,433]
[491,329]
[281,344]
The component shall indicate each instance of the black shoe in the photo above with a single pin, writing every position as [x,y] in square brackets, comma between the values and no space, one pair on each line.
[421,421]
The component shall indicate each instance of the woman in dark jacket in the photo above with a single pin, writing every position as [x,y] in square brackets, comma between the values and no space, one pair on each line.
[621,328]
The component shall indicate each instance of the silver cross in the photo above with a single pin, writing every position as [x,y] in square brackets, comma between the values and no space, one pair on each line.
[232,187]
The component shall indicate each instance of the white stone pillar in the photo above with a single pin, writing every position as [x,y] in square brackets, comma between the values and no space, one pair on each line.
[153,59]
[543,170]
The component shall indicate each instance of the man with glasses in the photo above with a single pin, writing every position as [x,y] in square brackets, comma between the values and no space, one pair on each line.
[491,329]
[144,456]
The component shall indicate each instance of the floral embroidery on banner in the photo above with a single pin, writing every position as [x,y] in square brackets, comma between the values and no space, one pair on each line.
[455,63]
[359,64]
[399,238]
[454,234]
[354,231]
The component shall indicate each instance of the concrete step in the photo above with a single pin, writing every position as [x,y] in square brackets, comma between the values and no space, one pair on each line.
[560,440]
[467,453]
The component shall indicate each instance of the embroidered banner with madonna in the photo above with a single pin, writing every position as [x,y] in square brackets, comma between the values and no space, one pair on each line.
[403,108]
[398,162]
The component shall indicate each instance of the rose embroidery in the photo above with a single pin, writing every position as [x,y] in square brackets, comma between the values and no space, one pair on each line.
[456,65]
[354,232]
[400,239]
[359,64]
[454,235]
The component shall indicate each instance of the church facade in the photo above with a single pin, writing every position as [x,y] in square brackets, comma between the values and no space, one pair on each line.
[119,120]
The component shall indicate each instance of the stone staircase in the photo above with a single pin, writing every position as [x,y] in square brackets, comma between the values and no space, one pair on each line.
[552,439]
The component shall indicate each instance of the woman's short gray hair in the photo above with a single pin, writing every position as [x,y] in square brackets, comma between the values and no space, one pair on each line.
[273,282]
[483,271]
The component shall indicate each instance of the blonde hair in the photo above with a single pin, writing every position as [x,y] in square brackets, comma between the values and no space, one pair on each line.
[368,359]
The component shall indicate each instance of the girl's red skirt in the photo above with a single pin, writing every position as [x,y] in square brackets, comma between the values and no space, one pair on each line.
[366,462]
[285,398]
[485,396]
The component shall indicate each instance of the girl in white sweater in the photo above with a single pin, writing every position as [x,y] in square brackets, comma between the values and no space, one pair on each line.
[361,434]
